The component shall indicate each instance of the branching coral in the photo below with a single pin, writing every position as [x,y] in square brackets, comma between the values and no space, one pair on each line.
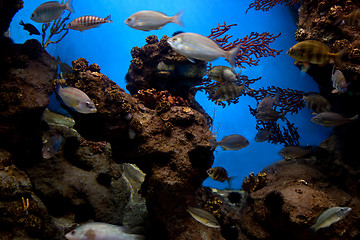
[57,27]
[265,5]
[253,45]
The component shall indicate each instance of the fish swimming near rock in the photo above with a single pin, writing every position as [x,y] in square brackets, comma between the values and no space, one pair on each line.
[219,174]
[64,67]
[268,102]
[331,119]
[227,91]
[222,74]
[311,51]
[270,115]
[290,152]
[87,22]
[330,216]
[101,231]
[152,20]
[232,142]
[203,217]
[30,28]
[262,135]
[339,82]
[58,119]
[75,99]
[51,145]
[50,11]
[196,46]
[317,103]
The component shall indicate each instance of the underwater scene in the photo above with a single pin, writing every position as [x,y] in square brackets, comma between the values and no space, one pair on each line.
[124,120]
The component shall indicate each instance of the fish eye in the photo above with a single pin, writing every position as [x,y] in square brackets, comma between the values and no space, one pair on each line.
[128,20]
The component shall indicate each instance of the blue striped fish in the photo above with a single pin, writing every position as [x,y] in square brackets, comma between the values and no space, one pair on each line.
[87,22]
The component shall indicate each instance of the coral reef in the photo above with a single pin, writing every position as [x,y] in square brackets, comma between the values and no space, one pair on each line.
[254,183]
[7,11]
[265,5]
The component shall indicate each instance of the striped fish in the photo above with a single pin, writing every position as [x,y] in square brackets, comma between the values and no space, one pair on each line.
[311,51]
[219,174]
[227,92]
[87,22]
[353,19]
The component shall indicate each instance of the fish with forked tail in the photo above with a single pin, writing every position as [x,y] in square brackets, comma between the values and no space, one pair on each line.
[330,216]
[203,217]
[50,11]
[87,22]
[30,28]
[232,142]
[331,119]
[219,174]
[227,92]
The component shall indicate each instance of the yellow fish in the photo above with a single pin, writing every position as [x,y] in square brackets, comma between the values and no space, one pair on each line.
[311,51]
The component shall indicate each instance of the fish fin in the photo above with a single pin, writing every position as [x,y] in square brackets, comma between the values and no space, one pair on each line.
[305,66]
[68,6]
[338,57]
[355,118]
[22,23]
[231,55]
[178,18]
[108,18]
[229,180]
[90,234]
[191,60]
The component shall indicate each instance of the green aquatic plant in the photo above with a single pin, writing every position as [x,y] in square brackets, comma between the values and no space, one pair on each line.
[58,27]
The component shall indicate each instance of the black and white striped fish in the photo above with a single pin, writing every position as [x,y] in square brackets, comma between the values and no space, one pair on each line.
[87,22]
[219,174]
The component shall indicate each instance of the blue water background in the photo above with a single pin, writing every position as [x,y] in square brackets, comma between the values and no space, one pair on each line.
[109,46]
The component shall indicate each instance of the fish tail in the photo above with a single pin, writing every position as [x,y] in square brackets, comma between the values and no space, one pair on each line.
[338,57]
[68,6]
[314,227]
[355,118]
[108,18]
[229,180]
[213,143]
[178,18]
[231,55]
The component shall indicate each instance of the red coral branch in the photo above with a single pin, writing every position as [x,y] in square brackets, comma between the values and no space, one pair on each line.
[253,45]
[265,5]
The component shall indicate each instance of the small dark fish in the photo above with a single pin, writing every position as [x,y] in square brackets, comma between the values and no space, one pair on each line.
[64,67]
[330,216]
[75,99]
[262,135]
[290,152]
[268,102]
[227,92]
[51,145]
[232,142]
[219,174]
[87,22]
[30,28]
[50,11]
[270,115]
[331,119]
[203,217]
[317,103]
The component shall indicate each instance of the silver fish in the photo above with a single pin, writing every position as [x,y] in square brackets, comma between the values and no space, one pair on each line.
[101,231]
[87,22]
[317,103]
[339,82]
[232,142]
[50,11]
[293,152]
[227,92]
[152,20]
[330,216]
[331,119]
[268,102]
[196,46]
[203,217]
[51,145]
[222,74]
[262,135]
[270,115]
[75,99]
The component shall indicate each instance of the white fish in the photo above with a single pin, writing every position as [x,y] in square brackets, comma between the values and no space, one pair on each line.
[203,217]
[152,20]
[330,216]
[50,11]
[196,46]
[75,99]
[101,231]
[87,22]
